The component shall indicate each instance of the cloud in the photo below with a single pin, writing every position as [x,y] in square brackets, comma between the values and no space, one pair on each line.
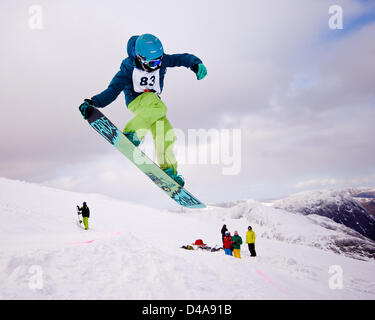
[338,183]
[319,183]
[301,94]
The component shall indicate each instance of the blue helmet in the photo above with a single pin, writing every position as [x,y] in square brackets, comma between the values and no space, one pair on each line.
[149,52]
[149,47]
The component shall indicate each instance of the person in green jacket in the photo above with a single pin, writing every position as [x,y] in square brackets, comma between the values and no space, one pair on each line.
[250,240]
[237,241]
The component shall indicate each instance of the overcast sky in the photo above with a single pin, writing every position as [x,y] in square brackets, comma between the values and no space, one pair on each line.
[300,93]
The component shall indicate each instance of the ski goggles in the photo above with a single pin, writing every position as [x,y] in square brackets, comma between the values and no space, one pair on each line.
[152,64]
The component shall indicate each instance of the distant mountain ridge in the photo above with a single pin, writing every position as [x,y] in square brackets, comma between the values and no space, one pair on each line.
[370,194]
[339,206]
[361,192]
[366,196]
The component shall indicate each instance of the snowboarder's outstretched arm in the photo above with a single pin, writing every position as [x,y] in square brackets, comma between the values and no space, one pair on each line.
[186,60]
[117,84]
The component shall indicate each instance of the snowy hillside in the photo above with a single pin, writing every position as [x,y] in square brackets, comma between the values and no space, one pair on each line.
[312,230]
[336,205]
[133,252]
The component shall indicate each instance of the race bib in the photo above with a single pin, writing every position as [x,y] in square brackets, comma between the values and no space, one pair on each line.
[143,80]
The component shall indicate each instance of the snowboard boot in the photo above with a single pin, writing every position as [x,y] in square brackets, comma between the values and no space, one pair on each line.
[133,137]
[178,178]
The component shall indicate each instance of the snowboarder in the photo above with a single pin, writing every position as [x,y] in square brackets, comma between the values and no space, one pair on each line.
[141,78]
[85,211]
[223,231]
[237,241]
[250,240]
[227,244]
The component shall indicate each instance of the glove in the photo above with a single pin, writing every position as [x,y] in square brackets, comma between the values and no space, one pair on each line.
[86,108]
[200,71]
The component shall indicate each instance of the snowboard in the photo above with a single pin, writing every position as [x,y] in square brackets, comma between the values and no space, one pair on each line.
[101,124]
[79,221]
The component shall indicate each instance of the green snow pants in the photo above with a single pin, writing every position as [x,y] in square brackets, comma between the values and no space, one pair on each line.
[86,222]
[150,115]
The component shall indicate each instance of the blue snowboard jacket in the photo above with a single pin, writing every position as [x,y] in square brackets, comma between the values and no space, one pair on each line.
[123,80]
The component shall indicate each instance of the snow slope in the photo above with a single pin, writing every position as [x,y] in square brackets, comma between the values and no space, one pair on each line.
[133,252]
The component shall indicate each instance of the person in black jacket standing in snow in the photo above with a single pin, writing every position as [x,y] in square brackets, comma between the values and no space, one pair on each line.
[85,211]
[223,230]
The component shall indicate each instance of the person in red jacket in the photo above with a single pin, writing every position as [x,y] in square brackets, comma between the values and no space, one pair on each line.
[227,243]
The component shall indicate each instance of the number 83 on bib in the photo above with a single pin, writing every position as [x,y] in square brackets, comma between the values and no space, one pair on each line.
[143,80]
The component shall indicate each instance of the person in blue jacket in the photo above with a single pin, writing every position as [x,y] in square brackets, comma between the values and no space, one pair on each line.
[141,78]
